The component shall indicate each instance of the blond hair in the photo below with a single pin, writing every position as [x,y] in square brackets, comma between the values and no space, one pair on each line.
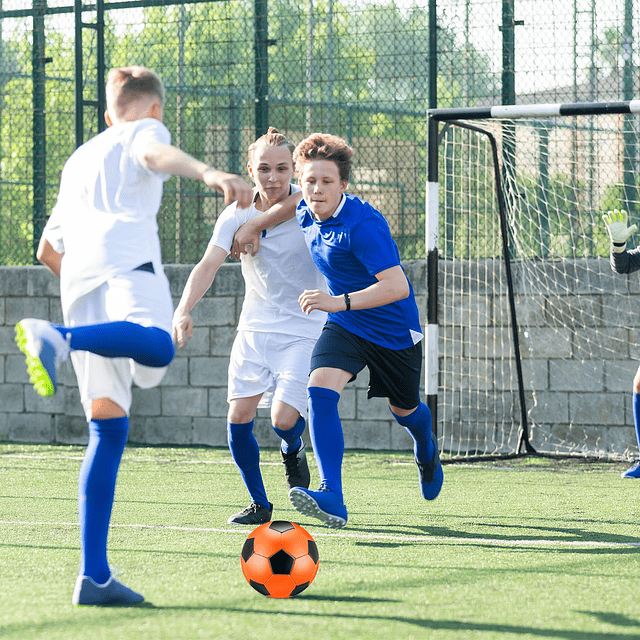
[273,138]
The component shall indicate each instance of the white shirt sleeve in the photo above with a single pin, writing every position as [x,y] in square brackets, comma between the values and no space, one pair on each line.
[229,221]
[53,232]
[150,131]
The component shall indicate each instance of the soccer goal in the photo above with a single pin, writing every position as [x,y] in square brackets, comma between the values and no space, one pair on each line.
[532,340]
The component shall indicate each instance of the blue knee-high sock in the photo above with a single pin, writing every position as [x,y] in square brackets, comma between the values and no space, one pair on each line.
[291,439]
[327,438]
[246,454]
[149,346]
[418,424]
[96,488]
[636,415]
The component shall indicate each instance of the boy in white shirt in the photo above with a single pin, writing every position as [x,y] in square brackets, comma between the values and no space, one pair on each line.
[102,241]
[270,357]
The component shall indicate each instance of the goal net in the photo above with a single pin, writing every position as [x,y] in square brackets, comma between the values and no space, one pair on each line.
[533,340]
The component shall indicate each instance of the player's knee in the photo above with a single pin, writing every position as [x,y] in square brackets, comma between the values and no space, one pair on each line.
[238,416]
[282,423]
[284,417]
[163,349]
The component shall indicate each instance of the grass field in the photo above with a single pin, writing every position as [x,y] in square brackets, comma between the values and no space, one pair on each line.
[524,549]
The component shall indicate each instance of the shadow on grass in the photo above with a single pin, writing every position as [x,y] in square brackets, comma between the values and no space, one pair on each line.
[104,615]
[517,533]
[617,619]
[445,625]
[421,623]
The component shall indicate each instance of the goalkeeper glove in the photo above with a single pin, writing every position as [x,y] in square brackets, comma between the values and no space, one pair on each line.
[616,223]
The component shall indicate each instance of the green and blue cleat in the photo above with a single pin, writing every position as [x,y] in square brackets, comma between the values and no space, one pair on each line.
[44,348]
[111,593]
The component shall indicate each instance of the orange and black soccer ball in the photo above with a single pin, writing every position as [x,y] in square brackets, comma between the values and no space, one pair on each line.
[279,559]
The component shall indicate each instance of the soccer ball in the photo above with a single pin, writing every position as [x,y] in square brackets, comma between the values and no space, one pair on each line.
[279,559]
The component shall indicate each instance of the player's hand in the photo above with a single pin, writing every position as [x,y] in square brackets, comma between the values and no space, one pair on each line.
[182,326]
[321,300]
[616,223]
[245,240]
[232,186]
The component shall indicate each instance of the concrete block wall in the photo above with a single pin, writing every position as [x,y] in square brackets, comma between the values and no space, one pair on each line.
[579,342]
[189,407]
[580,350]
[578,331]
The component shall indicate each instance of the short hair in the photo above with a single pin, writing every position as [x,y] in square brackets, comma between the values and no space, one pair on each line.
[324,146]
[273,138]
[125,85]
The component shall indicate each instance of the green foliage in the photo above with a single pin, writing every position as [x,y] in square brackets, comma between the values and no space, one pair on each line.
[359,72]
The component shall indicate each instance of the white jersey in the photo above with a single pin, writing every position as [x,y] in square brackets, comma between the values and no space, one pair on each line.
[105,217]
[275,277]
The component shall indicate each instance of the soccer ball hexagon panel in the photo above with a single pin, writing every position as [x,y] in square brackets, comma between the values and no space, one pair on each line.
[279,559]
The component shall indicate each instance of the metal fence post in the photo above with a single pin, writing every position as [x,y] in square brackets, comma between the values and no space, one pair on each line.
[38,62]
[261,44]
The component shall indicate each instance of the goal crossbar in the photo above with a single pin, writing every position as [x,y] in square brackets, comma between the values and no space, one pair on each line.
[552,110]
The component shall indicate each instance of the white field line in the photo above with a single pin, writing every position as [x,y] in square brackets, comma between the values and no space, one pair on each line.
[131,460]
[126,460]
[397,463]
[358,536]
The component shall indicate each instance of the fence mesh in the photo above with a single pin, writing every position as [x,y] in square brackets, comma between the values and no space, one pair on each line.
[359,70]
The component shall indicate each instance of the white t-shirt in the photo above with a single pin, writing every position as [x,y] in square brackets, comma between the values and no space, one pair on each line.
[105,217]
[275,277]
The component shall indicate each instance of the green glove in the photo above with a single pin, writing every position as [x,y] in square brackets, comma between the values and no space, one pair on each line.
[616,223]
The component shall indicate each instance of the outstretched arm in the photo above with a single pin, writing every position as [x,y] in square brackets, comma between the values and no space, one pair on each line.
[392,285]
[249,232]
[166,158]
[198,283]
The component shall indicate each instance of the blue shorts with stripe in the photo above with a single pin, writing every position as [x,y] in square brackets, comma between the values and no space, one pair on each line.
[393,374]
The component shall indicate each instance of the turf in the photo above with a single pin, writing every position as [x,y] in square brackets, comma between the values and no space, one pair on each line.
[524,549]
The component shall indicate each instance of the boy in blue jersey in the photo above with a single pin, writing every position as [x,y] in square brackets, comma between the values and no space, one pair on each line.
[373,321]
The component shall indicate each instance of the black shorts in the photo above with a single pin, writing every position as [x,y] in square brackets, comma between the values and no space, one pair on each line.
[393,374]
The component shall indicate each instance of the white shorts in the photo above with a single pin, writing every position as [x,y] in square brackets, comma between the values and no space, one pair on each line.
[140,297]
[275,365]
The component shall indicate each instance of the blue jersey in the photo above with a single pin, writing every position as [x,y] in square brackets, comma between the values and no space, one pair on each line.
[349,249]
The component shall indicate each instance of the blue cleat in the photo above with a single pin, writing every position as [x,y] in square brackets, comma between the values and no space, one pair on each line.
[323,504]
[431,475]
[44,347]
[633,471]
[112,592]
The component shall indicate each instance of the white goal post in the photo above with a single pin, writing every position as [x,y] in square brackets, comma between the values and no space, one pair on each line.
[532,340]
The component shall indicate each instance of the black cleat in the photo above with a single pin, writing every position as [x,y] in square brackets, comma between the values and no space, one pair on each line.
[254,514]
[296,468]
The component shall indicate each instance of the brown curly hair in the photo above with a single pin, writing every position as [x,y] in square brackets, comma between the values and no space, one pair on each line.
[324,146]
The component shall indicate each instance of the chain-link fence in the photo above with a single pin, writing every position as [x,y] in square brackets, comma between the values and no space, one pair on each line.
[366,71]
